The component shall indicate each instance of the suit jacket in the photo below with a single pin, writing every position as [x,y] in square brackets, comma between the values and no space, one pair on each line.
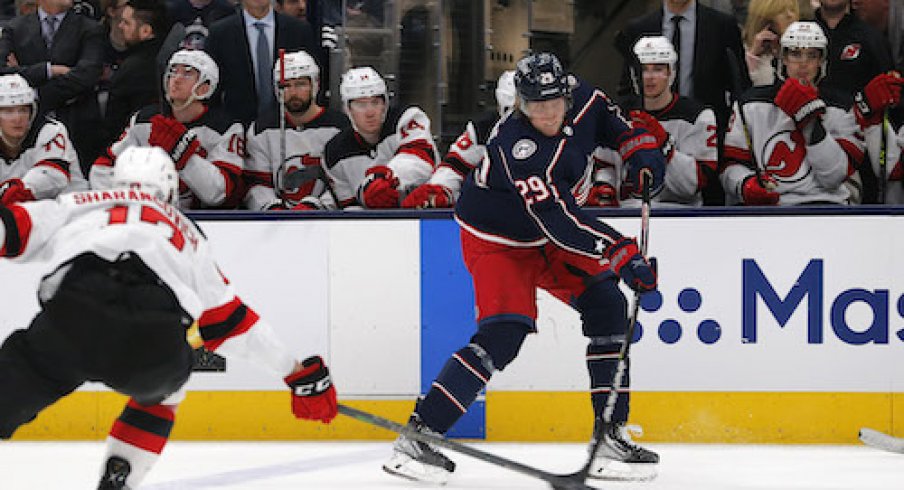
[78,43]
[228,46]
[714,31]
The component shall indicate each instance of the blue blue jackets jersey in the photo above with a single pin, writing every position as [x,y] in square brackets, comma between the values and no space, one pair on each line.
[524,192]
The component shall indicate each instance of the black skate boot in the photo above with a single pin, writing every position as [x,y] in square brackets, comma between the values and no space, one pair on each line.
[416,460]
[619,458]
[115,475]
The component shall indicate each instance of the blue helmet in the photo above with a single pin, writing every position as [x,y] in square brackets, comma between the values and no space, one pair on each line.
[541,76]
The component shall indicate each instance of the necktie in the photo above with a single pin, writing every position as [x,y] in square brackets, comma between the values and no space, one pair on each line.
[676,42]
[264,68]
[50,23]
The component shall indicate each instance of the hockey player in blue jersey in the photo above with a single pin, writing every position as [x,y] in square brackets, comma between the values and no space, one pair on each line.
[522,227]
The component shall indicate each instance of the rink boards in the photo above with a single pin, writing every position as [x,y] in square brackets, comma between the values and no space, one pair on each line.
[784,329]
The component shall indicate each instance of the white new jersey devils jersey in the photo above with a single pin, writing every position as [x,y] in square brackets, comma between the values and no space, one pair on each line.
[48,164]
[805,173]
[695,159]
[114,224]
[894,159]
[304,150]
[465,153]
[406,146]
[211,178]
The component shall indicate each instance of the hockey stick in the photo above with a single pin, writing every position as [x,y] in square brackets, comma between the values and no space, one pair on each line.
[882,182]
[281,94]
[557,481]
[881,440]
[736,96]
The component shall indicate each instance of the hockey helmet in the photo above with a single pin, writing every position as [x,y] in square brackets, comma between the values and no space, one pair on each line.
[15,91]
[148,168]
[361,82]
[505,92]
[298,65]
[803,35]
[657,50]
[541,77]
[208,72]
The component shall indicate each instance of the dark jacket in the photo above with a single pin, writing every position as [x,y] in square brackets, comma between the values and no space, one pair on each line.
[134,84]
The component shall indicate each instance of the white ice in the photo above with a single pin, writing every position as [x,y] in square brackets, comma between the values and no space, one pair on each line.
[348,465]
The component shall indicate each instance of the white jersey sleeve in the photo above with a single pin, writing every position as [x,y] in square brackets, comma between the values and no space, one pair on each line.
[53,162]
[101,171]
[259,171]
[212,175]
[416,154]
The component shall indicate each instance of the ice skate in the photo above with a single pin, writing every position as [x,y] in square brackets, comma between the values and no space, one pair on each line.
[619,458]
[416,460]
[115,474]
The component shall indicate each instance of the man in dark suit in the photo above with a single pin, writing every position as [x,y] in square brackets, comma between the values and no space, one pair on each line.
[245,47]
[60,54]
[700,36]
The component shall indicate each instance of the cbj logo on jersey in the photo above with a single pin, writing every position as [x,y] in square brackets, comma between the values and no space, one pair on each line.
[760,300]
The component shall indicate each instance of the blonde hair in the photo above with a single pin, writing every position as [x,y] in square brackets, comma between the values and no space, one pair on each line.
[760,14]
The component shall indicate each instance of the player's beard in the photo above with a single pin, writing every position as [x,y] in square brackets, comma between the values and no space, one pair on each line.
[296,105]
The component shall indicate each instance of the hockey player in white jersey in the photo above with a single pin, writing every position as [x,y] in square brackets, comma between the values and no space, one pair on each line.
[131,284]
[805,141]
[37,159]
[683,126]
[207,146]
[308,127]
[386,153]
[465,154]
[885,146]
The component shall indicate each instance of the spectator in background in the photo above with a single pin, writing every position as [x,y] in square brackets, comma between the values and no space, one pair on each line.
[704,40]
[857,51]
[293,8]
[60,54]
[766,22]
[245,46]
[25,7]
[804,140]
[135,84]
[206,146]
[386,153]
[308,128]
[886,16]
[39,161]
[186,12]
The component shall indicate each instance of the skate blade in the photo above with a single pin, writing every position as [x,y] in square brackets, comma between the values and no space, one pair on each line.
[613,470]
[405,466]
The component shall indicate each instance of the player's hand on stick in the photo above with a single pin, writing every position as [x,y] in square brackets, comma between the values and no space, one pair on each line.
[379,189]
[758,191]
[664,140]
[626,260]
[641,152]
[800,101]
[13,191]
[429,196]
[882,92]
[174,138]
[313,393]
[602,195]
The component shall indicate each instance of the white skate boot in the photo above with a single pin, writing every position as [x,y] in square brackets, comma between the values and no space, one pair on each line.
[418,461]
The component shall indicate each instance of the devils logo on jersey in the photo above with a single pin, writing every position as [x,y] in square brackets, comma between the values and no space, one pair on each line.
[785,152]
[296,163]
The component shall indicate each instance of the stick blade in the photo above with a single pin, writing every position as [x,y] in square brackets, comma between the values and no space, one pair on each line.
[881,440]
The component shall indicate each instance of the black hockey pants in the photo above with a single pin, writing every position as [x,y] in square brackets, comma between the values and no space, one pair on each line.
[116,323]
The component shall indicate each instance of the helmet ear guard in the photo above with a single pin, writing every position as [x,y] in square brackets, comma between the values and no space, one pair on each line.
[149,169]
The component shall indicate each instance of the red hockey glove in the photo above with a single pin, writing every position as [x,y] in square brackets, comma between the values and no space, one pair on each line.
[379,189]
[174,138]
[755,194]
[663,139]
[313,393]
[880,93]
[13,191]
[626,260]
[602,195]
[799,101]
[429,196]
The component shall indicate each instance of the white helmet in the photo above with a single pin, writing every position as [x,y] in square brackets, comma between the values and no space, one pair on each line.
[657,50]
[803,35]
[361,82]
[147,168]
[15,91]
[505,92]
[208,72]
[298,65]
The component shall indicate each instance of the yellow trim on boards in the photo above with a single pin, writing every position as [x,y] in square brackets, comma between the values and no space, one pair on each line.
[696,417]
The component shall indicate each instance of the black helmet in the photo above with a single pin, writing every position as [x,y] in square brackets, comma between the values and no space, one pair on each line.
[541,76]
